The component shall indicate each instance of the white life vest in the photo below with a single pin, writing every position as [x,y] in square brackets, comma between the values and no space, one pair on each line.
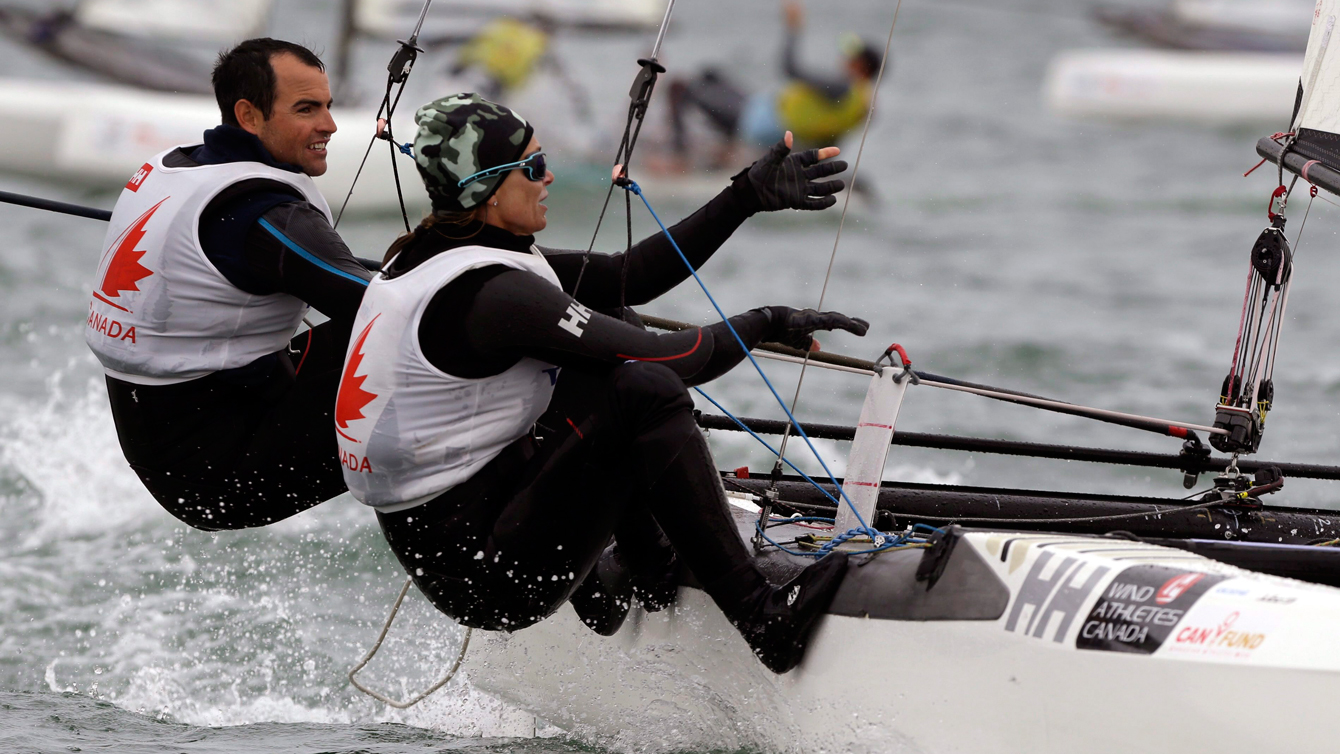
[161,313]
[408,431]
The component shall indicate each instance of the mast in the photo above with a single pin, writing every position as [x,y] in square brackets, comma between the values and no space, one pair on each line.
[344,53]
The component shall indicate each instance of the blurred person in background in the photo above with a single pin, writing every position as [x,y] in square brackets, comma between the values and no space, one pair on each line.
[507,53]
[819,109]
[505,417]
[214,254]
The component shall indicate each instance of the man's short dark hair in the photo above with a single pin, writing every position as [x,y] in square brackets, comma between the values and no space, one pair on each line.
[245,72]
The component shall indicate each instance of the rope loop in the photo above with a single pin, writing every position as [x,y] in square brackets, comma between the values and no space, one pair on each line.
[451,672]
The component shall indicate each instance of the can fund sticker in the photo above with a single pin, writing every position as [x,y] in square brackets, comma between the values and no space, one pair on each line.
[1140,607]
[1221,632]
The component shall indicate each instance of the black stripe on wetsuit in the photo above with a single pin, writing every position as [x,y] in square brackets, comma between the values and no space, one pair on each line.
[252,445]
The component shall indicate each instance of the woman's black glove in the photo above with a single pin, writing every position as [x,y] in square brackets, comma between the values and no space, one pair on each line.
[782,180]
[795,327]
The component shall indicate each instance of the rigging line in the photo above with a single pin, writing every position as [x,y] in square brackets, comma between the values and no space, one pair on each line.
[377,645]
[1077,520]
[636,189]
[359,174]
[640,96]
[846,202]
[858,366]
[398,71]
[771,449]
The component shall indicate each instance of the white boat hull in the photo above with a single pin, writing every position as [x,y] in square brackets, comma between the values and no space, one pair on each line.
[687,680]
[1216,88]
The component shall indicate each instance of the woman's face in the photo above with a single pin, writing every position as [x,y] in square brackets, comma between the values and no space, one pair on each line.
[515,206]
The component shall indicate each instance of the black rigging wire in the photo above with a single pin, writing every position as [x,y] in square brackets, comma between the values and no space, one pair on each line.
[398,70]
[641,92]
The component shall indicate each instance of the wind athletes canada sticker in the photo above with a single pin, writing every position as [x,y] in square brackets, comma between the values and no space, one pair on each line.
[1140,607]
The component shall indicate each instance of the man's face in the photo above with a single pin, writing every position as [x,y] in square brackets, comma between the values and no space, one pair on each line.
[300,126]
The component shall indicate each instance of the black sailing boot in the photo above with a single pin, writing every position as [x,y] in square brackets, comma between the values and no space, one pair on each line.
[777,620]
[604,596]
[689,503]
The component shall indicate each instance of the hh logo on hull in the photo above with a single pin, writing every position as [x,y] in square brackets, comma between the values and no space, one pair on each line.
[352,398]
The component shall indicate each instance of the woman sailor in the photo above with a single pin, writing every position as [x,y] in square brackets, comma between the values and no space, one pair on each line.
[504,428]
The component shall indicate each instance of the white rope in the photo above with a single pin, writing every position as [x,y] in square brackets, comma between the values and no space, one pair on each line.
[460,656]
[846,202]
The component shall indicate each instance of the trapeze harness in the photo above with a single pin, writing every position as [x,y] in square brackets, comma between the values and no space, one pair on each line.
[219,414]
[534,418]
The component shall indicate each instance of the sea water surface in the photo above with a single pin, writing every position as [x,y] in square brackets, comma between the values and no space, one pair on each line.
[1096,262]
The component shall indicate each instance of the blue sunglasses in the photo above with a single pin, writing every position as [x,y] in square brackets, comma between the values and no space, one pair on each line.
[533,165]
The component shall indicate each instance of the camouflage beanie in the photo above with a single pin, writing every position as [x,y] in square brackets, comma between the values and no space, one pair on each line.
[459,136]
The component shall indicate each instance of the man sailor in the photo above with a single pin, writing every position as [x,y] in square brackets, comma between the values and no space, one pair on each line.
[214,254]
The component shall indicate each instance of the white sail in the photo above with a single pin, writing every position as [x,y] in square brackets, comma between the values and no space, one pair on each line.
[212,20]
[395,18]
[1318,117]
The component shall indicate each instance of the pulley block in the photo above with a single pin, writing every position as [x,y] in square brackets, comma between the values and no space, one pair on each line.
[1271,257]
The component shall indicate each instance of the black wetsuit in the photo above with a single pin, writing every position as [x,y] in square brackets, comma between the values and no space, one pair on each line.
[250,446]
[617,451]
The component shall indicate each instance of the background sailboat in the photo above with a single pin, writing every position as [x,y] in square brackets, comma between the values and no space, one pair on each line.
[158,55]
[1223,25]
[143,43]
[1223,62]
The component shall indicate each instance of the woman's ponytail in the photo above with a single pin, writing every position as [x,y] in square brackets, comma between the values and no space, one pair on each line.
[437,218]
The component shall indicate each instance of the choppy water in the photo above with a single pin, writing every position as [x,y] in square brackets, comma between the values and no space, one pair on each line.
[1096,262]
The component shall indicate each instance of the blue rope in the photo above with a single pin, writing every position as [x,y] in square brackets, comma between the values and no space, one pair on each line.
[864,527]
[773,450]
[827,548]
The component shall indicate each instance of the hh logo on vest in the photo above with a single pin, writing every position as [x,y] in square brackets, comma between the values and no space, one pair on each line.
[124,272]
[351,400]
[137,180]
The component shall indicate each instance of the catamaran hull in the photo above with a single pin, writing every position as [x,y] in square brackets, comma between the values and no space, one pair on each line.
[1215,88]
[686,679]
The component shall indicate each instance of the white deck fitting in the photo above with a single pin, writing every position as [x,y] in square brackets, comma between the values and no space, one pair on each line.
[870,448]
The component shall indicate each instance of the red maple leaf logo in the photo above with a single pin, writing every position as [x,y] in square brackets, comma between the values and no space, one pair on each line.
[124,272]
[352,397]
